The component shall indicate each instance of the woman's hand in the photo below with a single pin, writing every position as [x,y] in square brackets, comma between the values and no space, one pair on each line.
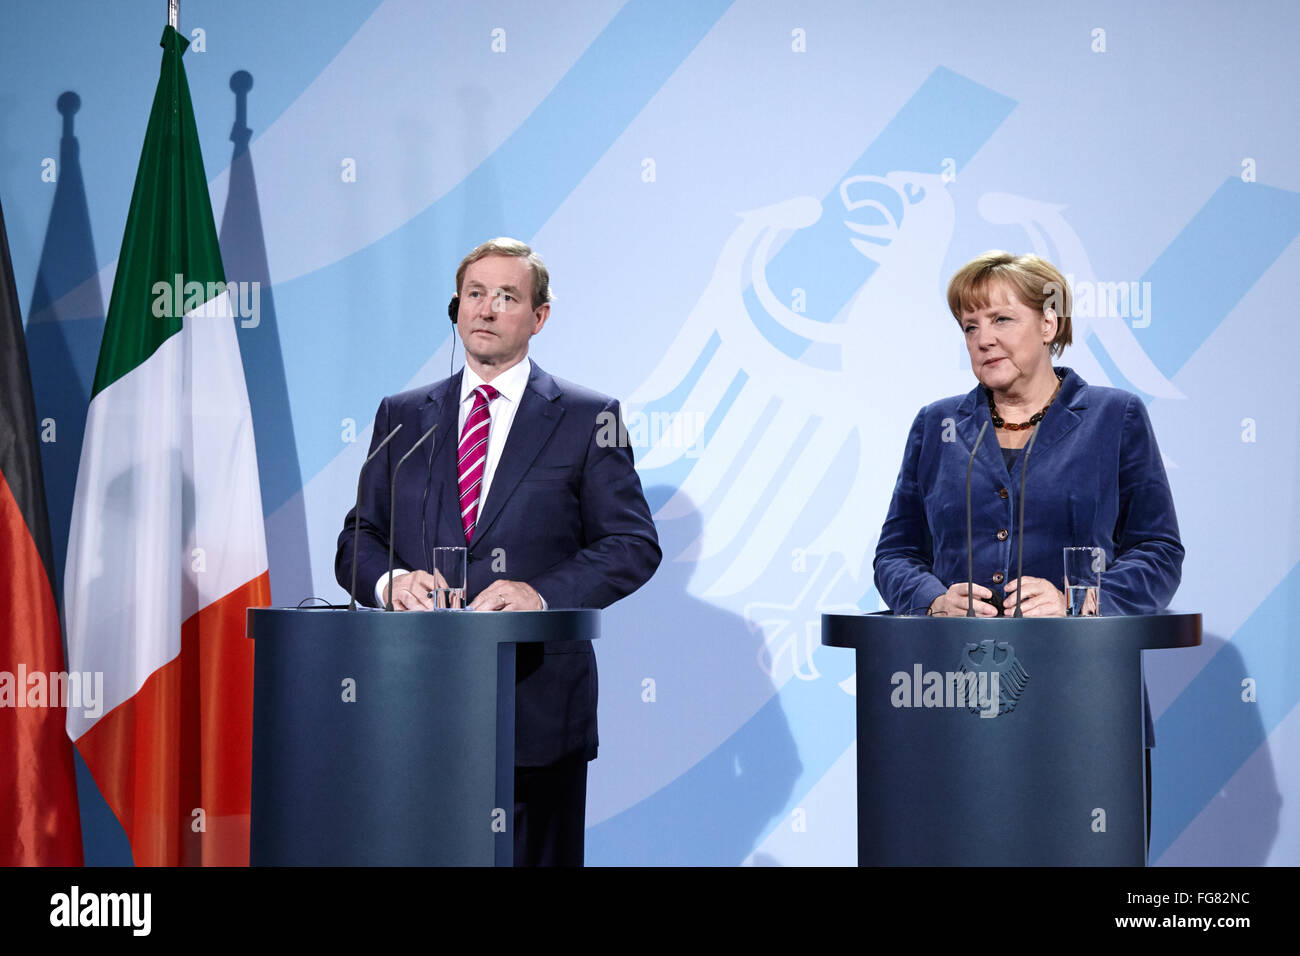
[1040,597]
[952,603]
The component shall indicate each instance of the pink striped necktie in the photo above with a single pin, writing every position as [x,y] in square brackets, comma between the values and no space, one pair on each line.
[471,459]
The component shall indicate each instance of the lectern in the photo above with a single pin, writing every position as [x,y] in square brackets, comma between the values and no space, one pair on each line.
[385,738]
[1002,741]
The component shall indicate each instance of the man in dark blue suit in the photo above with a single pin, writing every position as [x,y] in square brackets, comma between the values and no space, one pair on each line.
[533,476]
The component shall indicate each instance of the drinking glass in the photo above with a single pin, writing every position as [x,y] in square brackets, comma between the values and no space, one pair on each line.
[449,573]
[1083,567]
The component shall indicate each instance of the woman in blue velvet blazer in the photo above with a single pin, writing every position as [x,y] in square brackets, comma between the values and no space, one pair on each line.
[1095,476]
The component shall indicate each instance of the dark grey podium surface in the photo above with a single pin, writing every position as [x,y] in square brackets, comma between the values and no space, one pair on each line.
[1053,775]
[387,738]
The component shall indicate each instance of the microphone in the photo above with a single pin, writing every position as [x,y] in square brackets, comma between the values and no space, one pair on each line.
[392,511]
[356,516]
[1020,534]
[424,512]
[970,543]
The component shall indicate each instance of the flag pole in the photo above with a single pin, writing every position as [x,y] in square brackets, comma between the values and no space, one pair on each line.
[174,14]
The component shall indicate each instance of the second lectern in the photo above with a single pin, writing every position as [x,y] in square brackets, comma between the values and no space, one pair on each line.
[1002,742]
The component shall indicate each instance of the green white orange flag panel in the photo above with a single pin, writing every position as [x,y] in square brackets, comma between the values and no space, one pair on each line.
[166,548]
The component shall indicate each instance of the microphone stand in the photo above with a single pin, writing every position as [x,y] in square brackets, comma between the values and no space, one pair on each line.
[970,544]
[356,517]
[392,511]
[1020,534]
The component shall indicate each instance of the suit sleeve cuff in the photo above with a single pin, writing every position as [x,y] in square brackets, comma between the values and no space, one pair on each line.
[925,595]
[383,583]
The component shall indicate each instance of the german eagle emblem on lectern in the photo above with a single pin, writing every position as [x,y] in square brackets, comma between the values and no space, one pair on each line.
[994,664]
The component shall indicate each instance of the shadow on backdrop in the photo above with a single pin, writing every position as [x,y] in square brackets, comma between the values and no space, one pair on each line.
[1215,799]
[243,252]
[64,326]
[702,656]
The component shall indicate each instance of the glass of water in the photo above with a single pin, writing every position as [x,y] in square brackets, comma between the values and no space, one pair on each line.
[449,574]
[1083,567]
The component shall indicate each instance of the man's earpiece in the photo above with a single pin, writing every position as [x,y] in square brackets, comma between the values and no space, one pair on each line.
[453,308]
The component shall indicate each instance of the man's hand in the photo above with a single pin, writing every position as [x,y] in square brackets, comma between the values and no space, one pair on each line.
[1040,598]
[415,591]
[507,596]
[952,603]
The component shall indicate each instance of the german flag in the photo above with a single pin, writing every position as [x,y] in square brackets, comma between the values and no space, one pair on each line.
[39,822]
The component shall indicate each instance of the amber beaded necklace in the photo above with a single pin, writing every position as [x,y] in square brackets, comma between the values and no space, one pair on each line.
[1033,419]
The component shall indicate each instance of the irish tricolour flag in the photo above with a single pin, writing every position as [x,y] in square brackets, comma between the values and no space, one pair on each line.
[167,548]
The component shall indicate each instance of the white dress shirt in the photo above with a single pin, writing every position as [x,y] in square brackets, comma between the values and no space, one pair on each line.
[510,386]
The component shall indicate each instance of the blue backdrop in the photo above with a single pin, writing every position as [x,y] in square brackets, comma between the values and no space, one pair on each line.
[750,213]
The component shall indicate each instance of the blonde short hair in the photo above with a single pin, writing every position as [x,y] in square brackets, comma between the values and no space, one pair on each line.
[505,246]
[1036,282]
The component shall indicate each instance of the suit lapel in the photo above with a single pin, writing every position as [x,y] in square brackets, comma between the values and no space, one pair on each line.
[1063,415]
[971,414]
[535,420]
[444,409]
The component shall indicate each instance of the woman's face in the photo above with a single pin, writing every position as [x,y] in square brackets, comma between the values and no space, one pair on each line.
[1007,340]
